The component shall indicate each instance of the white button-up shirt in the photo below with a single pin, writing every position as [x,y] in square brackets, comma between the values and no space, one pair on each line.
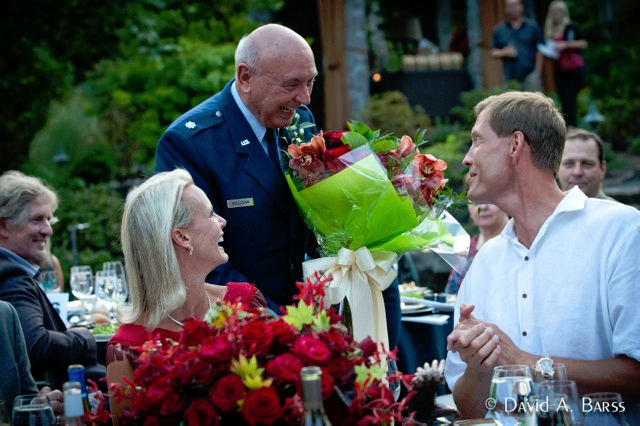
[572,294]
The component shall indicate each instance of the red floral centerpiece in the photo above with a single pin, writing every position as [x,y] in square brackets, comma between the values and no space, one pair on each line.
[241,365]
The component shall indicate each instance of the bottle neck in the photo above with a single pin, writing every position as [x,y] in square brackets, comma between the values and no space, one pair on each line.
[312,391]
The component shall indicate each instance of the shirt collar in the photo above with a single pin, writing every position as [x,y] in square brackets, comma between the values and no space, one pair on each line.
[29,267]
[574,199]
[258,128]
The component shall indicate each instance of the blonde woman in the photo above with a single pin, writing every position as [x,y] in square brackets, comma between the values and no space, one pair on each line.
[569,72]
[171,240]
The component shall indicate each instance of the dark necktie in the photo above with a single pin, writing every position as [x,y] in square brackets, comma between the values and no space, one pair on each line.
[271,136]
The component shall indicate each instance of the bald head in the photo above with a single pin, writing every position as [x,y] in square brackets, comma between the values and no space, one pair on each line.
[270,41]
[275,71]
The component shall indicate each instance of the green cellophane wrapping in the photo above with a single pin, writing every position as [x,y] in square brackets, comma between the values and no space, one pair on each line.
[359,206]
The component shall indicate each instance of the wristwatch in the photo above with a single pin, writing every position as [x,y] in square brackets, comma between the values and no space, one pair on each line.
[545,367]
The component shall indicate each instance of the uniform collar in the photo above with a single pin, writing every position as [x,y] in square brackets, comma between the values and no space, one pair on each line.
[258,128]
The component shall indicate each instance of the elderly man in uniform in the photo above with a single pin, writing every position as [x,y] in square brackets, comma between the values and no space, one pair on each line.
[230,145]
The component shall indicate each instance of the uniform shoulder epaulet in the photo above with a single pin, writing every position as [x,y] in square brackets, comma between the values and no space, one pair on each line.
[196,121]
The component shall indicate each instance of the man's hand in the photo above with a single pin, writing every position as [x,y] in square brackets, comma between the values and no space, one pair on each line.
[475,340]
[56,399]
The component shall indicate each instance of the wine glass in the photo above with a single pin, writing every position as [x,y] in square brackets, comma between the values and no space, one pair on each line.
[106,286]
[118,269]
[49,281]
[394,382]
[603,409]
[32,410]
[81,283]
[557,403]
[510,390]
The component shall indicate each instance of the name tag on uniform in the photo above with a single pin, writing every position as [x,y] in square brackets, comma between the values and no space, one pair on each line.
[240,202]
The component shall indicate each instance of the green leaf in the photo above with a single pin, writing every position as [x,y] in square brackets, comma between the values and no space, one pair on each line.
[354,140]
[321,322]
[300,315]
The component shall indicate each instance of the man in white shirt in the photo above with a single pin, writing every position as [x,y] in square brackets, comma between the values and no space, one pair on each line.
[561,279]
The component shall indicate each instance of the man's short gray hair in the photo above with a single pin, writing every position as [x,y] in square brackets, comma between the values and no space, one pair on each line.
[17,190]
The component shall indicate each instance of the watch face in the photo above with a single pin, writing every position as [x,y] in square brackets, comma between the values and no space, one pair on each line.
[545,366]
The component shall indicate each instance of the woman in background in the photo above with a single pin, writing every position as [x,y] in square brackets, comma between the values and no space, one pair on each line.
[569,72]
[170,239]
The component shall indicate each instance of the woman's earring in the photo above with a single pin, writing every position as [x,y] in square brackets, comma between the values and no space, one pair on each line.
[190,250]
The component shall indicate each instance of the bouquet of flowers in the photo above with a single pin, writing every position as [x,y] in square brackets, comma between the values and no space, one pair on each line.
[242,365]
[368,197]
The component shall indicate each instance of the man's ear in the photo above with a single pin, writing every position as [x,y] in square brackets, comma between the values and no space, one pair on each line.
[4,232]
[181,238]
[517,145]
[243,78]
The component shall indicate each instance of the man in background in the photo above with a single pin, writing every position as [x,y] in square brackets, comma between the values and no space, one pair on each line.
[515,42]
[583,163]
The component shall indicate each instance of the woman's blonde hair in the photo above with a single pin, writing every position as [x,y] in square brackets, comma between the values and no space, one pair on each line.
[550,27]
[151,212]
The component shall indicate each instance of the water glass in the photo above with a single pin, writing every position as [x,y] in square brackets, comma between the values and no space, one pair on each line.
[32,410]
[510,390]
[557,403]
[49,281]
[559,373]
[603,409]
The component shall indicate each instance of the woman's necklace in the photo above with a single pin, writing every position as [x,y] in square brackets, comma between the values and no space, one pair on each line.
[180,323]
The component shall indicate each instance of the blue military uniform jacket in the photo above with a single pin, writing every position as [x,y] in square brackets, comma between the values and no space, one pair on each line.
[265,236]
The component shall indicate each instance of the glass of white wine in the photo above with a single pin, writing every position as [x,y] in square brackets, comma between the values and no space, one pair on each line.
[510,391]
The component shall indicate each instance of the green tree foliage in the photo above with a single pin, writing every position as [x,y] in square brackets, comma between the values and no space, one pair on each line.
[98,206]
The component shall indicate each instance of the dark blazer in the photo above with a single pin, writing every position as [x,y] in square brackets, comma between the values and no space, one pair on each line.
[15,376]
[265,236]
[266,239]
[50,345]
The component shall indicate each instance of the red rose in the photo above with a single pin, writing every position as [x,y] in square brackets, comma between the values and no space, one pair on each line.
[262,406]
[332,158]
[216,349]
[158,391]
[282,332]
[195,331]
[226,392]
[172,403]
[285,367]
[368,347]
[257,337]
[200,412]
[151,421]
[335,341]
[311,349]
[333,139]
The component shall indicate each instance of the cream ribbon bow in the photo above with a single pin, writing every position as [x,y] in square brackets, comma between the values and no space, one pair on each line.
[360,276]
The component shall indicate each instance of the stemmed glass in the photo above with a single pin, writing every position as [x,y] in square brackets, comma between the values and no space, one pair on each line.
[557,403]
[603,409]
[49,281]
[107,288]
[118,269]
[510,390]
[394,383]
[32,410]
[81,283]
